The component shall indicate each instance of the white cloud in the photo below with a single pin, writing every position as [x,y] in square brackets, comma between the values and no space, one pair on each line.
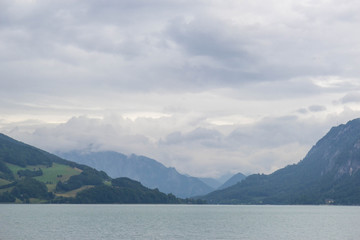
[211,150]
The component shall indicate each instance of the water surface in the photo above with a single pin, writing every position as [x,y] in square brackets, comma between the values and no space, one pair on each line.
[20,222]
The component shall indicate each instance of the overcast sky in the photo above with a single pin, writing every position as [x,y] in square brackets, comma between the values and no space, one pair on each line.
[207,87]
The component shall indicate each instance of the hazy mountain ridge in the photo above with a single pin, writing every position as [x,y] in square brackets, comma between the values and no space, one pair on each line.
[328,174]
[212,182]
[148,171]
[232,181]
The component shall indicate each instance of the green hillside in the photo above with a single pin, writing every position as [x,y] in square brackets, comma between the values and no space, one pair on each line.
[31,175]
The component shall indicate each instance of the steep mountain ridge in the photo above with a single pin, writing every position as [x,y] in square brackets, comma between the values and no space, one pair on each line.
[338,152]
[328,173]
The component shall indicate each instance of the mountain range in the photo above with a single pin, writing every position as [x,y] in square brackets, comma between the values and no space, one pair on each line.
[149,172]
[329,174]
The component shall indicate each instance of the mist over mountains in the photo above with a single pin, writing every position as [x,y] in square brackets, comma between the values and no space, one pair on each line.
[149,172]
[329,174]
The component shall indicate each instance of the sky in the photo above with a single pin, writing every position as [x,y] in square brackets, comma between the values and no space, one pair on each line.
[208,87]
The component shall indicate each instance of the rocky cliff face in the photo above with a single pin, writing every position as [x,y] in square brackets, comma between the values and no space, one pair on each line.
[338,152]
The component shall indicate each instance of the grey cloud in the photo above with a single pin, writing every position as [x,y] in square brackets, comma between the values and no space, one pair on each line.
[352,97]
[203,136]
[302,87]
[317,108]
[345,11]
[125,45]
[82,133]
[208,37]
[108,27]
[216,52]
[264,142]
[275,132]
[302,110]
[173,138]
[203,133]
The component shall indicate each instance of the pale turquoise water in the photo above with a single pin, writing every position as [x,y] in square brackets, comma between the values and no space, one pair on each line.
[178,222]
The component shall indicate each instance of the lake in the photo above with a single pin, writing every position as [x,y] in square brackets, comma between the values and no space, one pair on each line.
[20,221]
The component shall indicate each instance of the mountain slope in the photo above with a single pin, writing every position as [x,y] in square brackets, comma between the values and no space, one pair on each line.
[328,174]
[29,174]
[212,182]
[145,170]
[233,180]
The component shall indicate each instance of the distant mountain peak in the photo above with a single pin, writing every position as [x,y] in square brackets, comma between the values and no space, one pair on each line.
[236,178]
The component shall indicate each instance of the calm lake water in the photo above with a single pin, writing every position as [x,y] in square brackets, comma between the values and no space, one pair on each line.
[177,222]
